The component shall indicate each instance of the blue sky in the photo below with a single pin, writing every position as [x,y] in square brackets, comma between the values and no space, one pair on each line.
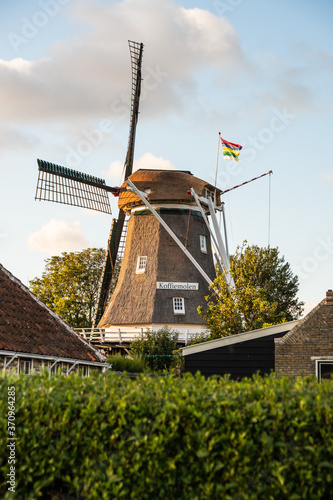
[259,72]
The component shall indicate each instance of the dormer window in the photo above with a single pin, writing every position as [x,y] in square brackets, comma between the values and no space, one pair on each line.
[208,193]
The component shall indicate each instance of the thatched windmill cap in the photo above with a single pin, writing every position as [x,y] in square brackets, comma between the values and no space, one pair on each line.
[164,186]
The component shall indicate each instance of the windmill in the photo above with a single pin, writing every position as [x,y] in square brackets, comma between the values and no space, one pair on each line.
[167,262]
[63,185]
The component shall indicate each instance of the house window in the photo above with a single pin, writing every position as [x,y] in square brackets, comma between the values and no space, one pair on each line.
[324,369]
[203,243]
[178,305]
[84,370]
[141,264]
[25,366]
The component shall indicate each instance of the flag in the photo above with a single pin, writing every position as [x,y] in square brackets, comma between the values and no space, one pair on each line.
[230,150]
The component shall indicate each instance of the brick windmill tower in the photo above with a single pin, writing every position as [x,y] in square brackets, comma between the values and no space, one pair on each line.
[167,264]
[158,283]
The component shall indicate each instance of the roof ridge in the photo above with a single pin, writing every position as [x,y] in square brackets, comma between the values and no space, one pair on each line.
[300,323]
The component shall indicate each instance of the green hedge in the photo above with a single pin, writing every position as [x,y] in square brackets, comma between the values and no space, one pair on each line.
[122,364]
[109,437]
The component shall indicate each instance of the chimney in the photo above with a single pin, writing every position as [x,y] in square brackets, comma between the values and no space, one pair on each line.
[329,298]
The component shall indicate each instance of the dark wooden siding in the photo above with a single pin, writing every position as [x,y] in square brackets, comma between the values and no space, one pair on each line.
[243,359]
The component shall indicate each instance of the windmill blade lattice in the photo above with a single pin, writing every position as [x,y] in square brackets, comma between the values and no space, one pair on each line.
[63,185]
[136,51]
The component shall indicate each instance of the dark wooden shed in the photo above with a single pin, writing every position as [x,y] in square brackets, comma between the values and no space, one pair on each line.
[240,355]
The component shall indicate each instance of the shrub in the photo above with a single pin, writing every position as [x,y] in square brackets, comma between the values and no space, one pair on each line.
[157,347]
[124,364]
[110,437]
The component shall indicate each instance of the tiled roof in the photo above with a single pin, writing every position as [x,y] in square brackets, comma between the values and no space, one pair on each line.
[318,323]
[28,325]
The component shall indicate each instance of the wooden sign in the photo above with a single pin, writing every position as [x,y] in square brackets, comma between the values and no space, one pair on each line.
[172,285]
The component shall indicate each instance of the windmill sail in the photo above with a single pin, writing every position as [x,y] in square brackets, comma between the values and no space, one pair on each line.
[63,185]
[136,51]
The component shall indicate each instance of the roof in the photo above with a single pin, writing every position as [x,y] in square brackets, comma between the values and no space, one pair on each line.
[27,325]
[163,186]
[318,322]
[239,337]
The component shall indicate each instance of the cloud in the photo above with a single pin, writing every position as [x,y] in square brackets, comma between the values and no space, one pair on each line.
[147,161]
[88,75]
[57,236]
[86,78]
[17,141]
[327,178]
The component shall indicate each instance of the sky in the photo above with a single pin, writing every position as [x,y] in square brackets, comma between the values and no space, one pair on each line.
[260,72]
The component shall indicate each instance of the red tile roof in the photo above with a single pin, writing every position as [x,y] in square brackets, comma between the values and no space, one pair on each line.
[28,325]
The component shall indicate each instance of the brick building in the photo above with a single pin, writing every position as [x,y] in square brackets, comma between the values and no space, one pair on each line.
[308,347]
[33,337]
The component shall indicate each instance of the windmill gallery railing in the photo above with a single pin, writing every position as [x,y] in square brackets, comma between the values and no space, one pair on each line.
[125,336]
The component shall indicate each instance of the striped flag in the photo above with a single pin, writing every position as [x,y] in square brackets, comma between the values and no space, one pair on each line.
[230,150]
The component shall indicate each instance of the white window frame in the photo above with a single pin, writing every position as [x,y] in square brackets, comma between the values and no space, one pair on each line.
[208,193]
[203,243]
[319,363]
[141,264]
[178,301]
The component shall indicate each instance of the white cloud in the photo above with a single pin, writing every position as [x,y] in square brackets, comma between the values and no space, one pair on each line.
[327,177]
[17,141]
[147,161]
[57,236]
[89,75]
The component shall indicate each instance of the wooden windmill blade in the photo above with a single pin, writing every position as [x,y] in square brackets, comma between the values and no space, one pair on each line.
[118,228]
[136,51]
[64,185]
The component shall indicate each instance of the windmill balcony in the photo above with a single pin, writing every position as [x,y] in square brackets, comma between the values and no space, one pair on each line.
[100,337]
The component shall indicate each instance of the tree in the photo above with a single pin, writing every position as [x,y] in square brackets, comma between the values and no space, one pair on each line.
[264,294]
[157,348]
[69,285]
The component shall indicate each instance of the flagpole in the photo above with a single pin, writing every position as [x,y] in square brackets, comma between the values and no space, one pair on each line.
[217,159]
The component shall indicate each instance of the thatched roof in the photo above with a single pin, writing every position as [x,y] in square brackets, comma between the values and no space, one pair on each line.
[163,186]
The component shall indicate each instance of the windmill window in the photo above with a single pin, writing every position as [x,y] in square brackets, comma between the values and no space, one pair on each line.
[208,193]
[178,305]
[141,264]
[203,243]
